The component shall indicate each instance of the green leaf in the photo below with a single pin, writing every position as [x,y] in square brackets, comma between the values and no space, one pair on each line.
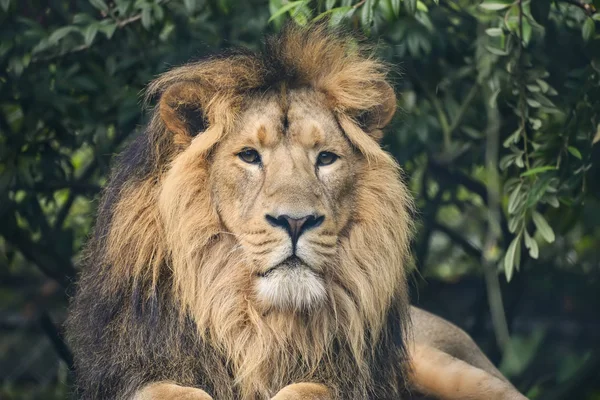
[588,29]
[496,51]
[395,5]
[421,6]
[100,5]
[190,6]
[542,226]
[329,4]
[146,18]
[535,171]
[108,29]
[532,245]
[90,33]
[515,199]
[366,15]
[337,13]
[526,31]
[5,4]
[494,32]
[340,14]
[574,152]
[512,258]
[410,6]
[60,33]
[494,5]
[512,139]
[301,15]
[288,7]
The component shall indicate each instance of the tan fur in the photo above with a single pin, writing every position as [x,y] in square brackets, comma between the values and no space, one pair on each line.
[199,215]
[303,391]
[165,390]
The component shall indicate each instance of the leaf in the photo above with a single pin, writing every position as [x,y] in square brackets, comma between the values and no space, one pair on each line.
[190,6]
[532,245]
[60,33]
[337,13]
[496,51]
[494,32]
[146,18]
[526,32]
[329,4]
[535,171]
[410,6]
[288,7]
[574,152]
[366,15]
[108,29]
[543,228]
[513,199]
[100,5]
[395,5]
[494,5]
[534,103]
[89,34]
[513,138]
[588,29]
[5,4]
[301,15]
[512,258]
[596,138]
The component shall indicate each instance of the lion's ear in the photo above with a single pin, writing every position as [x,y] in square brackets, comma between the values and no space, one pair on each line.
[376,118]
[180,109]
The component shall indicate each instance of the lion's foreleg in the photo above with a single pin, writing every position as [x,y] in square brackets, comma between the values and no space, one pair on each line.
[170,391]
[303,391]
[441,375]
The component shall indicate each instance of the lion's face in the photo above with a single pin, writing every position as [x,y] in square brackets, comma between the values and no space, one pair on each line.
[283,185]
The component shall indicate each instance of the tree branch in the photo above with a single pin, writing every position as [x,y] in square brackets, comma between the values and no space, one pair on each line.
[56,338]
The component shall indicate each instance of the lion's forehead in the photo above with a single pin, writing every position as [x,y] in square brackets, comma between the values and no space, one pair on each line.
[300,117]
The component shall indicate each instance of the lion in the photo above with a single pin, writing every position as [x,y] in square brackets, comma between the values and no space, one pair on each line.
[253,243]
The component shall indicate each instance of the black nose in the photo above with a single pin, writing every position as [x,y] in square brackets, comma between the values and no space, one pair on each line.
[295,227]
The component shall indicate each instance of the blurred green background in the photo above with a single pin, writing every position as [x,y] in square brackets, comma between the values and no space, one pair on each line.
[497,129]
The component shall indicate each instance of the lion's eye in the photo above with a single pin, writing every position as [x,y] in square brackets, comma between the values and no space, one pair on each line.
[326,158]
[250,156]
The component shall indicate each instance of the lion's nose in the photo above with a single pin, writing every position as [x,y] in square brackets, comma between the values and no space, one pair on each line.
[295,227]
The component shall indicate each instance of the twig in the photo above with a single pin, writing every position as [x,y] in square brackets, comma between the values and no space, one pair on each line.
[360,3]
[56,339]
[457,238]
[463,108]
[494,217]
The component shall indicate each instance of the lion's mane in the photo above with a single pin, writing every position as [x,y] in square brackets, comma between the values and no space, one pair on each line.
[161,296]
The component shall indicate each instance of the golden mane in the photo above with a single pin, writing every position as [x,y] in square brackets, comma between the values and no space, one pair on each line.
[165,228]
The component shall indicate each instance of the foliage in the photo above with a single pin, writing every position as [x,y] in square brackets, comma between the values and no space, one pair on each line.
[498,131]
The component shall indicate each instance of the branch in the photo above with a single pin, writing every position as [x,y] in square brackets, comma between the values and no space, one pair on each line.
[57,340]
[51,264]
[456,237]
[463,108]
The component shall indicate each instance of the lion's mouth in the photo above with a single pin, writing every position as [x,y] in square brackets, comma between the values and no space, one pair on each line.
[292,262]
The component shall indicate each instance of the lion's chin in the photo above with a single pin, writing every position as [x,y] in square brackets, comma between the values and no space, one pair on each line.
[290,286]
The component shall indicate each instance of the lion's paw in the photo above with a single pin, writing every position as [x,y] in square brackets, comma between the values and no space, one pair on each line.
[303,391]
